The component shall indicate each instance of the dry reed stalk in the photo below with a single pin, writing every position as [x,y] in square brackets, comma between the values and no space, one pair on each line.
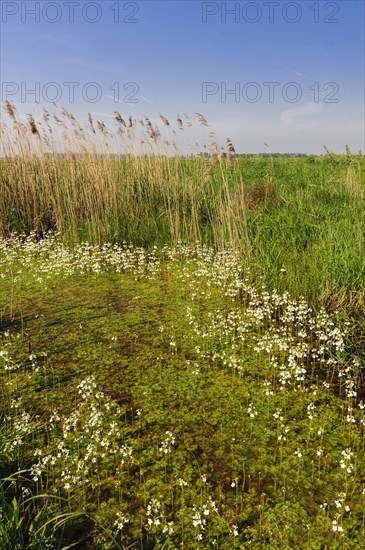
[32,125]
[164,120]
[67,179]
[201,120]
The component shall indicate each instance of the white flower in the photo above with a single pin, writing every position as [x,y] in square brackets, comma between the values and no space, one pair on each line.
[121,521]
[165,446]
[168,528]
[335,525]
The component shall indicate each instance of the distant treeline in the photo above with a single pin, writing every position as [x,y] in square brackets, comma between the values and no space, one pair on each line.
[206,155]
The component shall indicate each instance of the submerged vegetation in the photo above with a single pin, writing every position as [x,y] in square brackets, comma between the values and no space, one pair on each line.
[181,342]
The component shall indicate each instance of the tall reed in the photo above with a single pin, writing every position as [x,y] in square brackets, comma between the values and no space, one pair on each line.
[127,183]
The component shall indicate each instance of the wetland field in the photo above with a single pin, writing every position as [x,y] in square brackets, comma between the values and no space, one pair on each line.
[182,340]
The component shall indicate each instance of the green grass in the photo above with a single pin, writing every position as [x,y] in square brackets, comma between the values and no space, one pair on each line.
[304,215]
[202,387]
[167,399]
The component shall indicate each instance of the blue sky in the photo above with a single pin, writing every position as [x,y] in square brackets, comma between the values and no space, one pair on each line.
[185,56]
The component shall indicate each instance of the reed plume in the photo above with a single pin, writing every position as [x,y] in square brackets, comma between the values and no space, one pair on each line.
[32,125]
[164,120]
[201,120]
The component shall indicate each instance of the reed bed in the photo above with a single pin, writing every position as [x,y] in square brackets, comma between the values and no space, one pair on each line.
[129,183]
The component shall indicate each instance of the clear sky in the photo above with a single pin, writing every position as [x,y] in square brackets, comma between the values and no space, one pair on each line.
[290,74]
